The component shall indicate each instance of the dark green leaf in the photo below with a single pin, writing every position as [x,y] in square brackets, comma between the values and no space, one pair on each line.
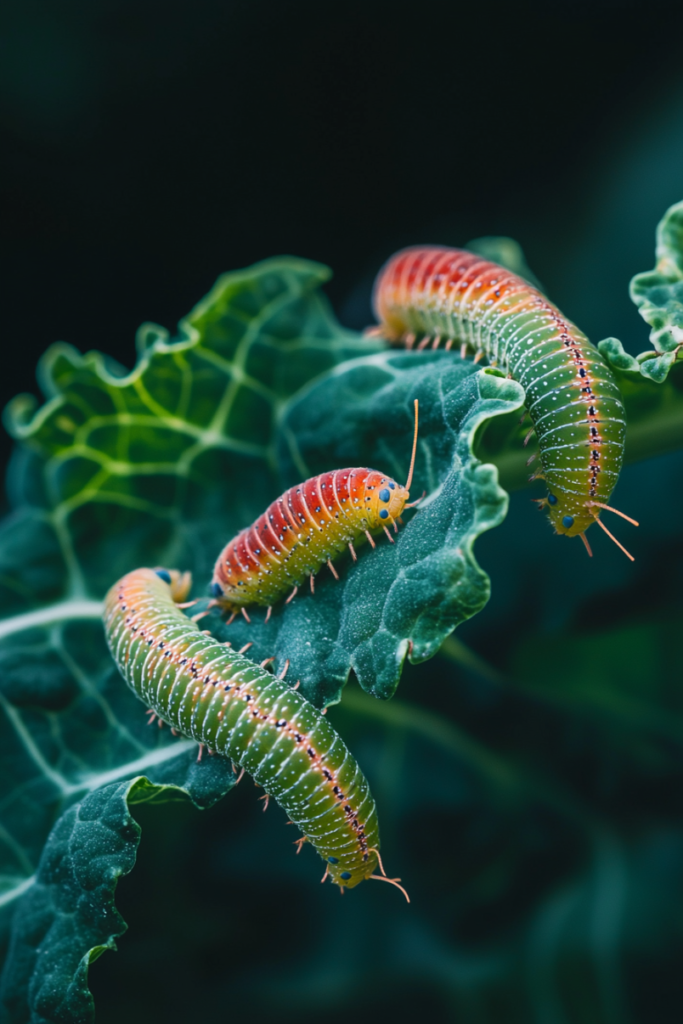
[162,466]
[658,294]
[118,470]
[67,918]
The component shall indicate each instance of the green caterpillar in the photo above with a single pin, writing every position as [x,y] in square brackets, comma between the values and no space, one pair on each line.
[214,695]
[452,295]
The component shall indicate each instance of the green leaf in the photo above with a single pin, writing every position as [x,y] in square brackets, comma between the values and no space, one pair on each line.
[67,918]
[658,294]
[119,470]
[161,466]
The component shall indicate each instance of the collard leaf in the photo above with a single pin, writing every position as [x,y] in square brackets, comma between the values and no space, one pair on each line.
[161,466]
[658,294]
[118,470]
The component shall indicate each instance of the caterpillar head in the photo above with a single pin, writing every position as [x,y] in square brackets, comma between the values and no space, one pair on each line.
[570,521]
[383,500]
[348,875]
[575,521]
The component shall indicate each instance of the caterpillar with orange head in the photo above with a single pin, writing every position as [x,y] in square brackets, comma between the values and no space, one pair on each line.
[453,296]
[216,696]
[305,529]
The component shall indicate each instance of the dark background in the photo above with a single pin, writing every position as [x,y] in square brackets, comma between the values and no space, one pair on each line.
[148,147]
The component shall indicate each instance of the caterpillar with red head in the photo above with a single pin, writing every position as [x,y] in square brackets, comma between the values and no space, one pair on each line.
[304,529]
[451,295]
[216,696]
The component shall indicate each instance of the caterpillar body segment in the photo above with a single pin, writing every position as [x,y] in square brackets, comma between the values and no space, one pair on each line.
[219,698]
[457,297]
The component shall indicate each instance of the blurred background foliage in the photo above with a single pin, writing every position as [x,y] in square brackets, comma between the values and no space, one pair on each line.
[529,777]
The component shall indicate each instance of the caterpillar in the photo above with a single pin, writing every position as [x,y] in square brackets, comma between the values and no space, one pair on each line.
[216,696]
[304,529]
[575,406]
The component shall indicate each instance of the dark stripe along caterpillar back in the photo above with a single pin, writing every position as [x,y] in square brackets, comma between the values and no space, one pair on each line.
[214,695]
[304,529]
[452,295]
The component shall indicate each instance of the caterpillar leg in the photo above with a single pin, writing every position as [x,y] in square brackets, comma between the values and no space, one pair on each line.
[299,843]
[371,539]
[283,671]
[530,434]
[312,579]
[332,569]
[268,613]
[354,556]
[266,801]
[388,534]
[423,344]
[292,595]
